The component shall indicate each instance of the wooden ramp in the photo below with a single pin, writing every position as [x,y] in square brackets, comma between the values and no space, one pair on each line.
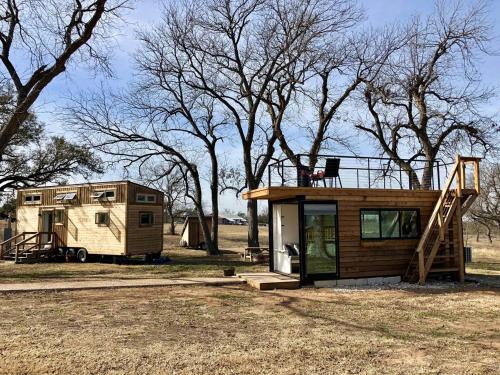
[269,281]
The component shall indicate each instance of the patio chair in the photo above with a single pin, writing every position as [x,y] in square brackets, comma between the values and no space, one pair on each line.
[332,171]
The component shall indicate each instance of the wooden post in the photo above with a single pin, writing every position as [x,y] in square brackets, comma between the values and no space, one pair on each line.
[441,223]
[460,235]
[459,172]
[477,184]
[421,267]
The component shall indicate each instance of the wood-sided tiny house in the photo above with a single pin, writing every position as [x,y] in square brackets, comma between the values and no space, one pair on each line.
[367,218]
[107,218]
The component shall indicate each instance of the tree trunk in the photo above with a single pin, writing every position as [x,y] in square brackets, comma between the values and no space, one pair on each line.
[214,187]
[488,233]
[427,175]
[477,235]
[172,226]
[253,223]
[198,199]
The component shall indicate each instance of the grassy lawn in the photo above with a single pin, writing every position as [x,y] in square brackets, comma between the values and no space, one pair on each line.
[184,263]
[238,330]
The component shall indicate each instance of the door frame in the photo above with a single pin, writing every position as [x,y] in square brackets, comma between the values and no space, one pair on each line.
[40,222]
[304,277]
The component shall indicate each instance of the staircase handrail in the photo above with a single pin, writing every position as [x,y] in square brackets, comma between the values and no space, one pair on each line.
[439,203]
[3,243]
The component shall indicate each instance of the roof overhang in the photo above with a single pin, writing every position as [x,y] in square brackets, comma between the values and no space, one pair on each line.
[288,192]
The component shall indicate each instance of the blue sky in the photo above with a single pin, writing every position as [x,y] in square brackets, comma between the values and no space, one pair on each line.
[146,12]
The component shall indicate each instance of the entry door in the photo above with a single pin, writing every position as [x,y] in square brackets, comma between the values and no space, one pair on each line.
[320,241]
[47,225]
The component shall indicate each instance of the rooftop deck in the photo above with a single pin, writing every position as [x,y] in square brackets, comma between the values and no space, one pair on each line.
[358,172]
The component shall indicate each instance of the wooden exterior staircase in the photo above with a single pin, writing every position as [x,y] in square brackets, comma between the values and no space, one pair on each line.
[436,251]
[27,247]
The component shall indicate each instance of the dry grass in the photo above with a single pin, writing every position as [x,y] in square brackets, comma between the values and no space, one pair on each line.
[184,263]
[236,330]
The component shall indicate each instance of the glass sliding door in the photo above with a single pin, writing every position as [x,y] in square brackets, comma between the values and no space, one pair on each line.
[320,240]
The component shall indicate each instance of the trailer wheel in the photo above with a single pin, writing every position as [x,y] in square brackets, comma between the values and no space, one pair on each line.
[82,255]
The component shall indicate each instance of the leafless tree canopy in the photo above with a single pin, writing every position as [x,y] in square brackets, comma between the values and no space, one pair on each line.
[37,40]
[428,99]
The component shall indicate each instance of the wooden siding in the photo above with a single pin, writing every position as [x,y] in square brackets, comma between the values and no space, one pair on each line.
[134,189]
[82,231]
[83,194]
[144,239]
[123,235]
[371,258]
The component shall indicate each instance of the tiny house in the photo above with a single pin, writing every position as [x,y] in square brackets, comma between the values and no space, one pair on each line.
[108,218]
[376,221]
[192,233]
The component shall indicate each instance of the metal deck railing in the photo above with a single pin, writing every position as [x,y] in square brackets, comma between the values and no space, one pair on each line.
[359,172]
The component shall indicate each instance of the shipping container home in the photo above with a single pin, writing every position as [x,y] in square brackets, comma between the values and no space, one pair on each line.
[362,217]
[107,218]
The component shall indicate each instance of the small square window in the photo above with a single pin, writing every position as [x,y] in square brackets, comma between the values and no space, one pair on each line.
[102,218]
[146,219]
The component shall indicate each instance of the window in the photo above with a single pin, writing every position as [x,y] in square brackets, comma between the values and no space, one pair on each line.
[102,218]
[370,224]
[33,199]
[146,198]
[108,195]
[65,197]
[146,219]
[59,216]
[389,223]
[409,224]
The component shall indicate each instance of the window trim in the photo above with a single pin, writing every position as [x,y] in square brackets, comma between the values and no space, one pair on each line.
[32,201]
[147,213]
[145,201]
[106,223]
[381,237]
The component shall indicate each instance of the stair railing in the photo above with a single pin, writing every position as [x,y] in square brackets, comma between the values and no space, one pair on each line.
[8,245]
[441,214]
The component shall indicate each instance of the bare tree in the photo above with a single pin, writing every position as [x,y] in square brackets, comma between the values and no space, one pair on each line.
[38,38]
[238,52]
[428,99]
[148,126]
[486,209]
[171,183]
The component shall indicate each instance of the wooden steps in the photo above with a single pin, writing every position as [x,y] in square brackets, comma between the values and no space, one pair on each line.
[269,281]
[436,251]
[444,270]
